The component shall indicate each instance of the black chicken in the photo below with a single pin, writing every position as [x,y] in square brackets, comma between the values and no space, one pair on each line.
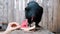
[33,12]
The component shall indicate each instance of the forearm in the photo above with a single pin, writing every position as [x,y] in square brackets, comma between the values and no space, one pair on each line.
[7,32]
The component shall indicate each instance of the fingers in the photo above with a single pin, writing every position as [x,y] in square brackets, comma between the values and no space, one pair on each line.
[13,26]
[16,28]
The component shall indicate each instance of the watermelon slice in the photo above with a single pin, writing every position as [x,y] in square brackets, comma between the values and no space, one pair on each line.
[24,24]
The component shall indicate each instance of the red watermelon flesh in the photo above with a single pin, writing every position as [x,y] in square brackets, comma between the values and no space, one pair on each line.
[24,24]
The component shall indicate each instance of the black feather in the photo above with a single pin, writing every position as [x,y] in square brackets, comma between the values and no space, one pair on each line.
[33,10]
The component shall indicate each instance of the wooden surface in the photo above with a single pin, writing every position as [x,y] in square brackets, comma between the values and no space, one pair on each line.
[38,32]
[58,18]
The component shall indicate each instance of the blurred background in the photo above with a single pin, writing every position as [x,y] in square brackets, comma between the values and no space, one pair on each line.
[14,11]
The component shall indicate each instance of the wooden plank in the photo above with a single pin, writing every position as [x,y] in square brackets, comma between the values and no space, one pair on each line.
[55,16]
[45,14]
[58,17]
[50,14]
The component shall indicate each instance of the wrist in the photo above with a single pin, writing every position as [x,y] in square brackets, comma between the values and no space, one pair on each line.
[7,32]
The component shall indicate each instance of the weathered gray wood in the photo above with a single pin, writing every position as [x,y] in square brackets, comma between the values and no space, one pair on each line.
[50,13]
[37,32]
[58,17]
